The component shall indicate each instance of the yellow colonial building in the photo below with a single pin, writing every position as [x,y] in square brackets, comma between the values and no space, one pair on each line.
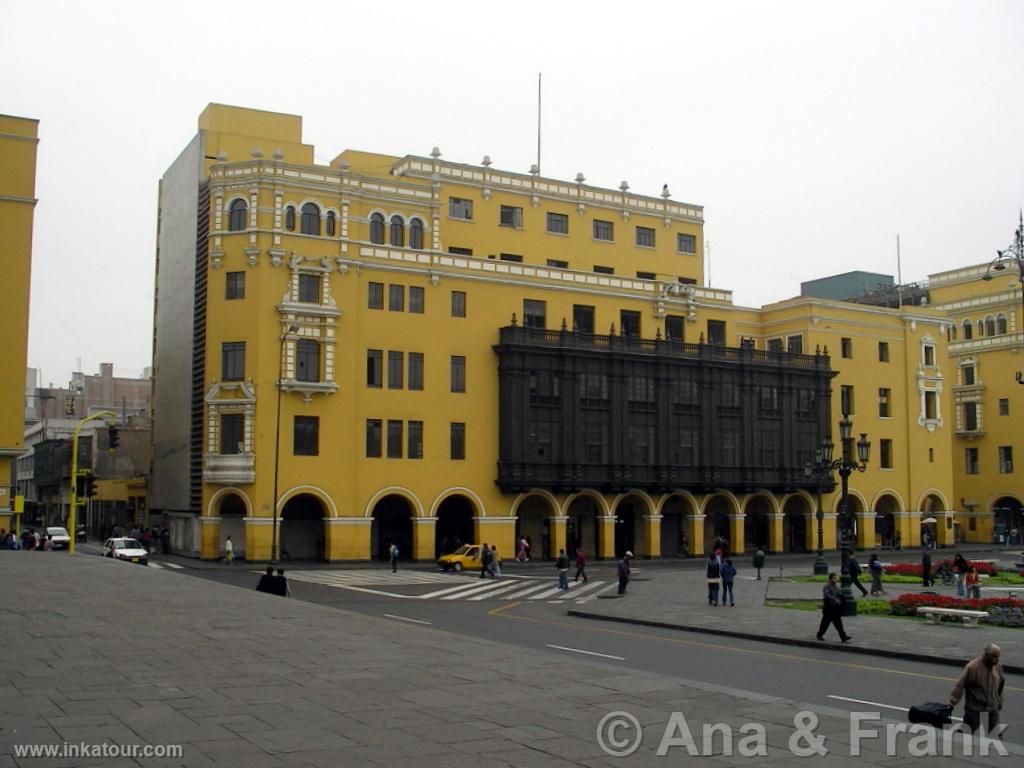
[425,352]
[18,141]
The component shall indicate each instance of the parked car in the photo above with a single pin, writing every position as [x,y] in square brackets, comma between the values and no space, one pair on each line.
[466,556]
[124,548]
[59,536]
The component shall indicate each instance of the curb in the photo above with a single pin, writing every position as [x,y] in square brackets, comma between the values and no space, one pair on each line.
[904,655]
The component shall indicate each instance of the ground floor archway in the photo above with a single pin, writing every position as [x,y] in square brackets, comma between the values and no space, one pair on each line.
[674,538]
[756,534]
[454,525]
[885,521]
[716,521]
[232,511]
[302,528]
[1008,520]
[533,523]
[797,514]
[392,524]
[583,530]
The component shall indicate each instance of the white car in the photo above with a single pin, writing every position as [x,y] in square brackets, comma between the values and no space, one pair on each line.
[124,548]
[59,537]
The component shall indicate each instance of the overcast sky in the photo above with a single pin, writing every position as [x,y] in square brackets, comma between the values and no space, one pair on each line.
[811,132]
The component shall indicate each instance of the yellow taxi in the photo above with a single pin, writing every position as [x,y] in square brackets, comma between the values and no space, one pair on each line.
[465,557]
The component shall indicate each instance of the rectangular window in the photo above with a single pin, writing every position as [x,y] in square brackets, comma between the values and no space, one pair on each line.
[459,208]
[885,453]
[675,328]
[775,345]
[373,438]
[593,386]
[1006,459]
[558,224]
[971,417]
[686,243]
[396,298]
[716,332]
[1004,406]
[307,360]
[846,399]
[931,406]
[511,257]
[595,444]
[646,275]
[604,230]
[232,433]
[415,370]
[460,251]
[884,407]
[458,303]
[883,351]
[375,368]
[414,449]
[232,361]
[795,345]
[931,455]
[846,347]
[309,289]
[458,373]
[375,296]
[534,313]
[558,264]
[645,237]
[971,461]
[929,355]
[235,285]
[582,318]
[394,439]
[458,440]
[510,216]
[396,361]
[604,270]
[629,323]
[307,436]
[416,299]
[968,374]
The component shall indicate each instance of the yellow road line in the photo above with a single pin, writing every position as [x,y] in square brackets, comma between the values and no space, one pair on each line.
[500,612]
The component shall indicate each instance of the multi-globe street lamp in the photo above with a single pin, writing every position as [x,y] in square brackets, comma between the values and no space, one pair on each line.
[1013,255]
[822,470]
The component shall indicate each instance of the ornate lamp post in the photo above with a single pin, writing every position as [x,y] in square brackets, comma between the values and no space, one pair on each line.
[1015,255]
[823,468]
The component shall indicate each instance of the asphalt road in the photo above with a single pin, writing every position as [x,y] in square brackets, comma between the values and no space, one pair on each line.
[854,682]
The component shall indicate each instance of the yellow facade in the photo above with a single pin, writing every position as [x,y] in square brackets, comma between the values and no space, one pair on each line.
[18,141]
[498,249]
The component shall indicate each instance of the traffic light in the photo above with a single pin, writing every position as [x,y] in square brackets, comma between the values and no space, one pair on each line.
[112,438]
[80,485]
[90,486]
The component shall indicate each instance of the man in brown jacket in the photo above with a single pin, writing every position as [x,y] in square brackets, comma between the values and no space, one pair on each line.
[981,686]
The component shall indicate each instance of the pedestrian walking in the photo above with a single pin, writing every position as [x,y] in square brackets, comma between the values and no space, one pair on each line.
[728,572]
[972,583]
[393,557]
[926,570]
[281,584]
[855,572]
[495,561]
[267,583]
[714,579]
[486,556]
[875,571]
[832,610]
[960,568]
[759,559]
[521,552]
[562,564]
[229,551]
[624,570]
[581,565]
[981,687]
[529,548]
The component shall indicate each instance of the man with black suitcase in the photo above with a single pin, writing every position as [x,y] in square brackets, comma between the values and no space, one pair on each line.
[981,686]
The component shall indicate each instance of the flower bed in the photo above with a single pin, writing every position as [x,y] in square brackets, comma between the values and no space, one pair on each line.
[914,569]
[1003,611]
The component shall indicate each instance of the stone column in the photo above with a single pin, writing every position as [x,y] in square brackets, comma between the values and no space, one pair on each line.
[209,538]
[347,538]
[775,532]
[652,528]
[423,538]
[737,531]
[557,533]
[499,532]
[695,534]
[606,525]
[258,534]
[866,530]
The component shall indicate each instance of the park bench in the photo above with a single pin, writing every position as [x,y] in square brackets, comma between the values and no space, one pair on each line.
[1010,591]
[933,615]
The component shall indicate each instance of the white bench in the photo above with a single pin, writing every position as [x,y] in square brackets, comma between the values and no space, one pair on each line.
[934,614]
[1010,591]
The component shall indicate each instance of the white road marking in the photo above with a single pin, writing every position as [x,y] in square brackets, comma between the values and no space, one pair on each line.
[154,565]
[875,704]
[172,565]
[467,590]
[549,593]
[496,592]
[588,653]
[524,592]
[587,587]
[403,618]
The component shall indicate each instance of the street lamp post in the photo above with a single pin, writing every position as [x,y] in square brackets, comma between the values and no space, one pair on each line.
[110,418]
[1014,254]
[823,467]
[277,440]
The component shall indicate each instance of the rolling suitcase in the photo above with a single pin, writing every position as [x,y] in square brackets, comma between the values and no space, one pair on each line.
[931,713]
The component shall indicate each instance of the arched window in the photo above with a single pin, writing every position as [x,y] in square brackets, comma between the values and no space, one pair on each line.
[330,223]
[310,219]
[377,228]
[981,328]
[238,216]
[416,234]
[397,231]
[990,326]
[1001,325]
[289,218]
[968,330]
[951,334]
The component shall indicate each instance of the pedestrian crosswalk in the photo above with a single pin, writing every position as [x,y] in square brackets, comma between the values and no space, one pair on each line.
[403,585]
[163,564]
